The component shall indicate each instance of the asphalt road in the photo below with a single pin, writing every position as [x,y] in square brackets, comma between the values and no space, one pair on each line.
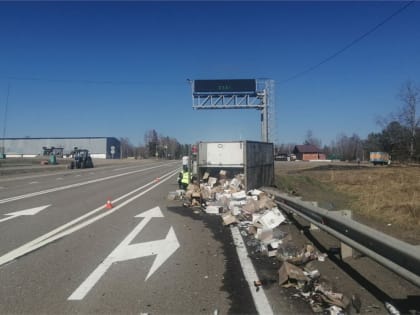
[63,252]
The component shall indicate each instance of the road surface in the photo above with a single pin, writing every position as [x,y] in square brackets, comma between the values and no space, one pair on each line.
[62,251]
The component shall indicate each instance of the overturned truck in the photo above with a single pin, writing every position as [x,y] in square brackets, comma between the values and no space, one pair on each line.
[253,159]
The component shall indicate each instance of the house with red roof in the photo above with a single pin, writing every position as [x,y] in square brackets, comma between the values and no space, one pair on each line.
[308,152]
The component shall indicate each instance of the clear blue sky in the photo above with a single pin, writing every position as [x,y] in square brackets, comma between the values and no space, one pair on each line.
[120,69]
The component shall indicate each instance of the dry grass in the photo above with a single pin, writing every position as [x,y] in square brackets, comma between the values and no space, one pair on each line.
[385,197]
[391,194]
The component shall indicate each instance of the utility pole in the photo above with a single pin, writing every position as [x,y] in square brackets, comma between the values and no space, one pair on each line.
[264,118]
[5,120]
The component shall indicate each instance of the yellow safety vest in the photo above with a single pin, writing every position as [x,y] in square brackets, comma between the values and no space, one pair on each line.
[185,178]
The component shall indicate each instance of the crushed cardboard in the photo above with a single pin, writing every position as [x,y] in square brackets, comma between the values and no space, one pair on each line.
[228,218]
[259,219]
[289,272]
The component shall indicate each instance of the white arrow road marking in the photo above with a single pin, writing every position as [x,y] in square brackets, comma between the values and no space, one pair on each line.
[74,225]
[31,211]
[163,249]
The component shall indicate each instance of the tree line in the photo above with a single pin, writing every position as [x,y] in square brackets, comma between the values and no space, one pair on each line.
[155,146]
[398,137]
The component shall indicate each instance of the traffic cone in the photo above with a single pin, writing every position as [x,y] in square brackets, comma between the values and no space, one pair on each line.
[157,180]
[109,204]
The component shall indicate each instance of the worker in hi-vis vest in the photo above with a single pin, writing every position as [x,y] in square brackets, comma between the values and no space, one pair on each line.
[185,179]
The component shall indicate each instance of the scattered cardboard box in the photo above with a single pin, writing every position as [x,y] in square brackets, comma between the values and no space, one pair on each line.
[213,209]
[289,272]
[271,219]
[212,181]
[228,218]
[240,195]
[264,235]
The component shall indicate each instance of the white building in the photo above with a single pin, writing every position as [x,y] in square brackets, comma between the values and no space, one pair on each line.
[99,147]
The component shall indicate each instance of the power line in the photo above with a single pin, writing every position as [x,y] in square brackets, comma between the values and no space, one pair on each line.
[352,43]
[97,82]
[293,77]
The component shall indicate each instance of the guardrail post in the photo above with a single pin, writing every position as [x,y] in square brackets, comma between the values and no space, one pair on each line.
[314,227]
[346,250]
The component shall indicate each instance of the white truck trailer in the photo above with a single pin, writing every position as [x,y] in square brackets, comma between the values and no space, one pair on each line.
[253,159]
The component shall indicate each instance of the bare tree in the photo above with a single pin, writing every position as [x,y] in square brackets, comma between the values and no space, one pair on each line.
[127,149]
[151,140]
[284,148]
[168,147]
[410,97]
[159,145]
[347,148]
[311,139]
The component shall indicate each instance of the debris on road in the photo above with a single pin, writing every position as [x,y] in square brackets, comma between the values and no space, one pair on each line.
[259,220]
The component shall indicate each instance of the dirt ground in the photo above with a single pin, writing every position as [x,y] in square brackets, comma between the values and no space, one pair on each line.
[384,198]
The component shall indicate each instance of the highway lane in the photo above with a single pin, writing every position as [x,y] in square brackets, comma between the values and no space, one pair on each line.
[22,184]
[143,255]
[74,197]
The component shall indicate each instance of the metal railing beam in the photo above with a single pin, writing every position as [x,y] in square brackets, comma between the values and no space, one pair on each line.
[398,256]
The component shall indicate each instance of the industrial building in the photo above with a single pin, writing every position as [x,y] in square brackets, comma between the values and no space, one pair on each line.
[99,147]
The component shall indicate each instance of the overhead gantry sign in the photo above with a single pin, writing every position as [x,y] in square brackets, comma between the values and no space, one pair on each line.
[235,94]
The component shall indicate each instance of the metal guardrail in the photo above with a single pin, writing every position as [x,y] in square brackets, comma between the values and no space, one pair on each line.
[398,256]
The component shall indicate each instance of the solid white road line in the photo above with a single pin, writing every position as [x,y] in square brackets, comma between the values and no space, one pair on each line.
[260,299]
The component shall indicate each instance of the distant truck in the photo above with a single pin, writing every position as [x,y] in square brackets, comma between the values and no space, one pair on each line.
[285,157]
[380,158]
